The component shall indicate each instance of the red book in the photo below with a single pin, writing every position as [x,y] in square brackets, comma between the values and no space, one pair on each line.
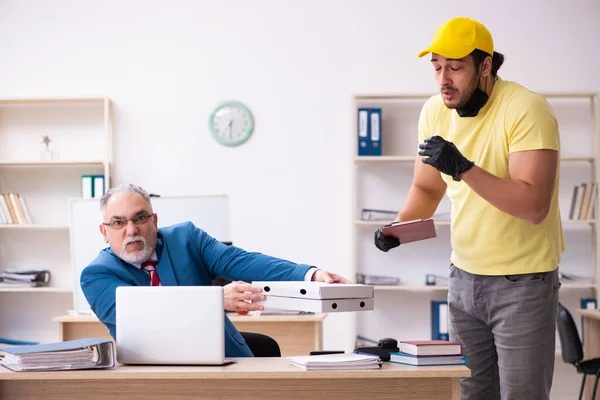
[410,231]
[430,347]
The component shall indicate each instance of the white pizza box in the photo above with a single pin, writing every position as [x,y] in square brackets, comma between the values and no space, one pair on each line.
[315,290]
[317,306]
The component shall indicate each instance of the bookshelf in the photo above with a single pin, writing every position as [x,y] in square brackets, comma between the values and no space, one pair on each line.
[80,132]
[381,182]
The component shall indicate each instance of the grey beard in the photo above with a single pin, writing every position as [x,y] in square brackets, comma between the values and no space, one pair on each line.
[137,256]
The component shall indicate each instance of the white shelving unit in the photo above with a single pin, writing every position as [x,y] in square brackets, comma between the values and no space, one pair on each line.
[381,182]
[80,130]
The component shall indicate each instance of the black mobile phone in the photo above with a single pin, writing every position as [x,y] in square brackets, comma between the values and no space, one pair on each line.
[322,352]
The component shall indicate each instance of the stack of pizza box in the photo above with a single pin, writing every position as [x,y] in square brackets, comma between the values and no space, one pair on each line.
[316,297]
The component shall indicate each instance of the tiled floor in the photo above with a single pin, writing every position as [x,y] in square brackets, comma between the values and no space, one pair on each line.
[566,382]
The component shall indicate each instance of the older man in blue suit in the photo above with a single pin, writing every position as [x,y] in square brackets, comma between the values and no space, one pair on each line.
[178,255]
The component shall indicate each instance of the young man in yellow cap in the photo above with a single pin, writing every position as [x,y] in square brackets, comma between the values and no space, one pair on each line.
[493,147]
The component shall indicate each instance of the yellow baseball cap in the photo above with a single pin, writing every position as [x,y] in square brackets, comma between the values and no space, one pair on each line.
[458,37]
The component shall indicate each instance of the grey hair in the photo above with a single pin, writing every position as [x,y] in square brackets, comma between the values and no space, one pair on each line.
[124,188]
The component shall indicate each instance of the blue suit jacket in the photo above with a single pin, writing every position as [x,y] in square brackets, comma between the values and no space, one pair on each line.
[187,256]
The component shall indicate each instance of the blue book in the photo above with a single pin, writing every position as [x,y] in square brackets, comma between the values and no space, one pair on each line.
[90,353]
[409,359]
[375,130]
[363,132]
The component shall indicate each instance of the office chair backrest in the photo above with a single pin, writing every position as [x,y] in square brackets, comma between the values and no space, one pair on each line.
[261,345]
[572,351]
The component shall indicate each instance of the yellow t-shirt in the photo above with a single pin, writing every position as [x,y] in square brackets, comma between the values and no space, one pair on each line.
[485,240]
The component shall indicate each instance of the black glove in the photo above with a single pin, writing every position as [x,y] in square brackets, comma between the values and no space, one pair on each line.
[385,243]
[444,156]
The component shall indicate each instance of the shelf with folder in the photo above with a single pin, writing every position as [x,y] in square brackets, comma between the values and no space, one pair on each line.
[40,227]
[35,290]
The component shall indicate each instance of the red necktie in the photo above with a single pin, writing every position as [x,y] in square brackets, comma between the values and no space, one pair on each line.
[150,267]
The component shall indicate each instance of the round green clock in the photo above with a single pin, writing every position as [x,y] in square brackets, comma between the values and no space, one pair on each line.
[231,123]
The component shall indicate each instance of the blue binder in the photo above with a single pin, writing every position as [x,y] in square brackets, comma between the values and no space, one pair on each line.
[363,132]
[97,186]
[375,130]
[587,303]
[439,320]
[51,356]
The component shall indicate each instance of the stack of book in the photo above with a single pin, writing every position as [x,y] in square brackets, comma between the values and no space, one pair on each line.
[429,352]
[13,209]
[583,201]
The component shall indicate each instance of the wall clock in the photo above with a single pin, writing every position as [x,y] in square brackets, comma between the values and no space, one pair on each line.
[231,123]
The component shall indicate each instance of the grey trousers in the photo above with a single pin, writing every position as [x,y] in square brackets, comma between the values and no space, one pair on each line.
[507,326]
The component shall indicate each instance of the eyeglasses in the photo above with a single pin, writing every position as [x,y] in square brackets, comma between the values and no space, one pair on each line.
[121,223]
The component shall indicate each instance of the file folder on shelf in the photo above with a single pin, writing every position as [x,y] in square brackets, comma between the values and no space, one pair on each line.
[87,186]
[363,132]
[91,353]
[375,131]
[369,214]
[587,303]
[439,320]
[98,190]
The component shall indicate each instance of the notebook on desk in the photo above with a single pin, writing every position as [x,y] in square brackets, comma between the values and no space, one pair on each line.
[170,325]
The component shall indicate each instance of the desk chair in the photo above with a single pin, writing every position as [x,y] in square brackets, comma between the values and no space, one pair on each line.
[572,350]
[261,345]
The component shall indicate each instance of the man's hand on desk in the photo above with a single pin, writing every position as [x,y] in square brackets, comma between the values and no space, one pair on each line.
[237,294]
[328,277]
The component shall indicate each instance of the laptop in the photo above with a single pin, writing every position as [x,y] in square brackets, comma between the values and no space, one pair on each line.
[170,325]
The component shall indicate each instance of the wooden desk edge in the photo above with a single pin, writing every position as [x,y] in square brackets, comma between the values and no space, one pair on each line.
[233,318]
[594,314]
[263,368]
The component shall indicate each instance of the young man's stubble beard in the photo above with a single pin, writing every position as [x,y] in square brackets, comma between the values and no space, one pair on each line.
[465,95]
